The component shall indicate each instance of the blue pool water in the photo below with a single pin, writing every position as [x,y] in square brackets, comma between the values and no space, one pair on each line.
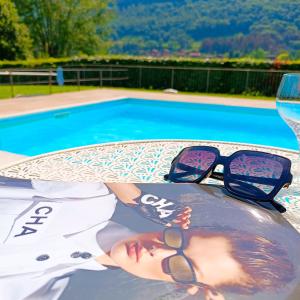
[134,119]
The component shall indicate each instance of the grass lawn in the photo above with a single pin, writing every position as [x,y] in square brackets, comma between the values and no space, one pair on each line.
[32,90]
[239,96]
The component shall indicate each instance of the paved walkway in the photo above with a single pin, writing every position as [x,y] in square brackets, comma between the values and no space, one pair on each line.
[24,105]
[7,158]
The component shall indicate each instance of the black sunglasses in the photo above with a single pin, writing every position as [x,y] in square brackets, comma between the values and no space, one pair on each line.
[178,266]
[252,175]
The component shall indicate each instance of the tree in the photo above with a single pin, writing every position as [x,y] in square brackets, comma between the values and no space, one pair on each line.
[258,54]
[15,42]
[67,27]
[295,55]
[283,56]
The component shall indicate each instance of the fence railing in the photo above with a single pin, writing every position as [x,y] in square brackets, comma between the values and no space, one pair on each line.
[72,76]
[204,80]
[190,79]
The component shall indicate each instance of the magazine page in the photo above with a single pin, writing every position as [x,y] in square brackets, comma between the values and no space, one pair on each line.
[69,240]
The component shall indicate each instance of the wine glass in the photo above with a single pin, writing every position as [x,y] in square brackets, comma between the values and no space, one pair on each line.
[288,106]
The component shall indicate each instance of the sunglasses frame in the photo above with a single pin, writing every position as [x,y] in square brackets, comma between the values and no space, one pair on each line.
[284,180]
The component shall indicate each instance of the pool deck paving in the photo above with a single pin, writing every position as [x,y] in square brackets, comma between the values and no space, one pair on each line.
[7,158]
[32,104]
[25,105]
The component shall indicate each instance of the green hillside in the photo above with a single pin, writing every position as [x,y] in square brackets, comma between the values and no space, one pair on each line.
[215,27]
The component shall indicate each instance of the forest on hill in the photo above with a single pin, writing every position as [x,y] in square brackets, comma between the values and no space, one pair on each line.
[232,28]
[187,28]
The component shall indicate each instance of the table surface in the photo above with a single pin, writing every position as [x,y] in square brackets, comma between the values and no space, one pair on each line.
[135,161]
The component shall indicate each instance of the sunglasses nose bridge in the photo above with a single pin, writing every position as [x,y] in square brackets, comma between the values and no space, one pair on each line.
[221,160]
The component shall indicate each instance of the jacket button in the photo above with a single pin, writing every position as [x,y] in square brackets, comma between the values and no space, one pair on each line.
[85,255]
[42,257]
[76,254]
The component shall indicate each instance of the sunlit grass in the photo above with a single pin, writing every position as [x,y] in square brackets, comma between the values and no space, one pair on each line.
[239,96]
[33,90]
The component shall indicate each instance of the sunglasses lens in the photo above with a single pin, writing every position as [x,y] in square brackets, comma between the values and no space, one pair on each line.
[192,164]
[254,175]
[180,269]
[173,238]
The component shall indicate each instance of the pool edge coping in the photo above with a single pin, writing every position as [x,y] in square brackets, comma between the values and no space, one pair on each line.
[115,94]
[49,109]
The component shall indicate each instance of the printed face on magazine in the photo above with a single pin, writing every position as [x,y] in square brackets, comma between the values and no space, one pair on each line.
[210,256]
[221,258]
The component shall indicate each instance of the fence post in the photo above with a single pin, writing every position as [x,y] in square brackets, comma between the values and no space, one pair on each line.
[78,80]
[50,81]
[207,80]
[247,80]
[110,75]
[172,78]
[11,81]
[100,78]
[140,77]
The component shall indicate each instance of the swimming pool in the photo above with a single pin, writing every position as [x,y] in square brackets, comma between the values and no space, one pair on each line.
[136,119]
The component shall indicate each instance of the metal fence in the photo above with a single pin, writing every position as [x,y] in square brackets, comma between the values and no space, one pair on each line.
[204,80]
[190,79]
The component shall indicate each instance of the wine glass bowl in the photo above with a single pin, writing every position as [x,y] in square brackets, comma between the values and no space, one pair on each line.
[288,106]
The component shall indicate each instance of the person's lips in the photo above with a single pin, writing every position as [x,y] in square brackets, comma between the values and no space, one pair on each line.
[138,250]
[130,249]
[134,250]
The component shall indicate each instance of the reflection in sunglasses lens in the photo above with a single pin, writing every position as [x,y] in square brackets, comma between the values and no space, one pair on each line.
[255,166]
[180,269]
[200,160]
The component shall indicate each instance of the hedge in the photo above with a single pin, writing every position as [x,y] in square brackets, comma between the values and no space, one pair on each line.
[242,63]
[235,76]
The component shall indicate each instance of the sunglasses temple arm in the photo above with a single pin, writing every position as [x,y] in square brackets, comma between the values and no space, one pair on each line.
[255,179]
[251,188]
[217,176]
[188,170]
[179,175]
[220,176]
[214,175]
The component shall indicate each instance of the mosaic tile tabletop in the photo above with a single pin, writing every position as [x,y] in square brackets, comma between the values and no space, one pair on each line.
[138,161]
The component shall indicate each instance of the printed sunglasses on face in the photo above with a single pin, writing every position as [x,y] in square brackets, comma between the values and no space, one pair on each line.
[251,175]
[179,266]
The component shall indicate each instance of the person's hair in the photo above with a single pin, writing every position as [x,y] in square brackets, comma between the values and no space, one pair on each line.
[265,262]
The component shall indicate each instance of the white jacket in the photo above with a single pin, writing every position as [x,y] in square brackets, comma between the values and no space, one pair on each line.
[47,231]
